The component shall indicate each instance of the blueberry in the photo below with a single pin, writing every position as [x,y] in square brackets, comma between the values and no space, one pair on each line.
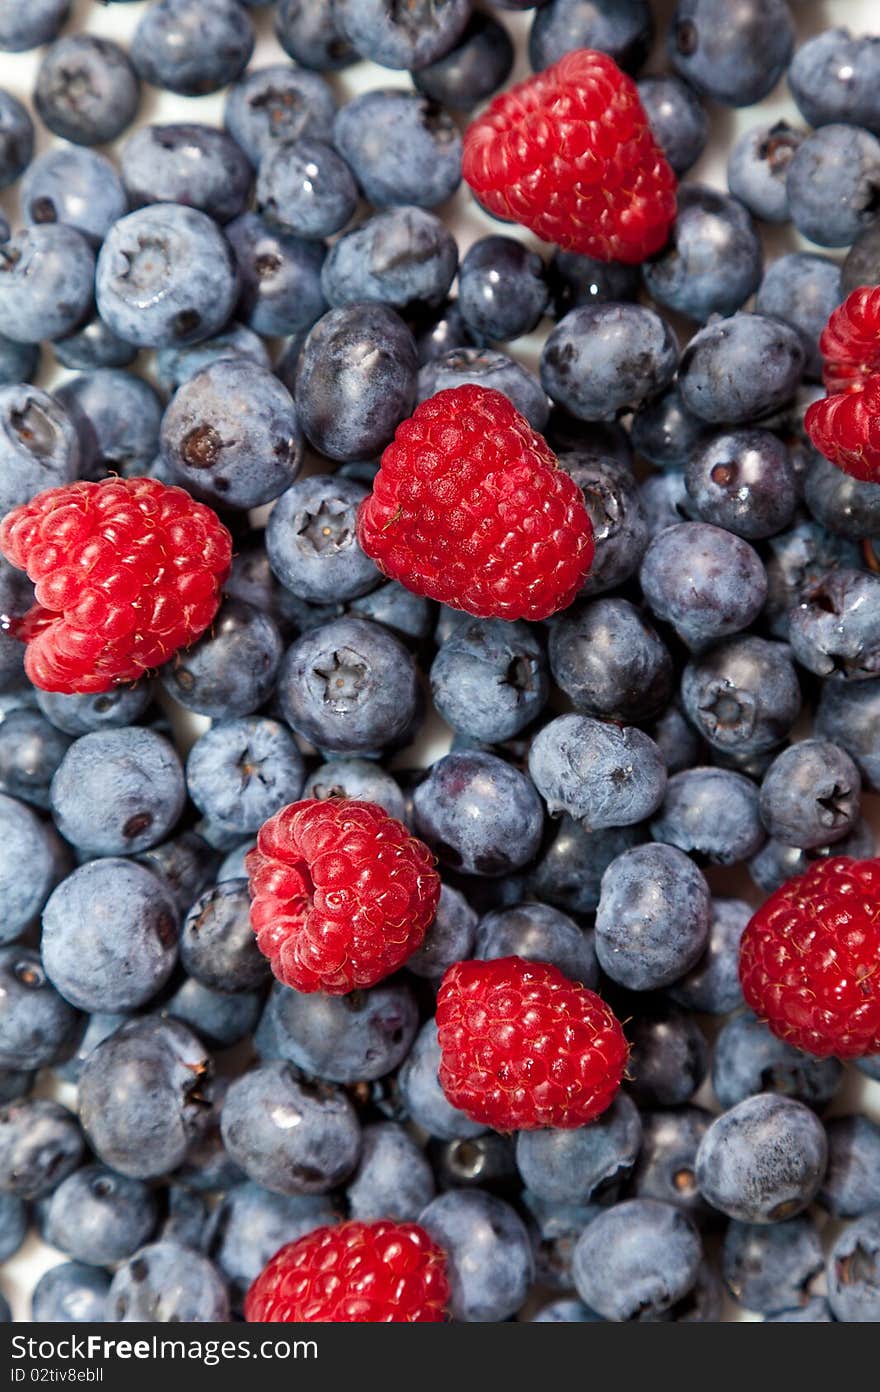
[484,367]
[757,169]
[16,139]
[815,1310]
[834,630]
[306,188]
[450,938]
[488,1253]
[70,1293]
[184,1219]
[740,368]
[356,380]
[166,1282]
[207,1167]
[778,862]
[742,694]
[37,1026]
[735,57]
[486,1160]
[189,164]
[403,257]
[832,184]
[217,943]
[565,1312]
[652,922]
[489,679]
[624,29]
[13,1225]
[393,1178]
[232,669]
[610,662]
[664,502]
[217,1017]
[843,505]
[798,558]
[99,1026]
[395,38]
[704,580]
[46,282]
[575,280]
[743,480]
[538,933]
[570,871]
[310,34]
[802,289]
[40,1145]
[851,1186]
[99,1217]
[617,514]
[86,90]
[851,1269]
[669,1058]
[712,813]
[605,358]
[714,258]
[30,751]
[240,772]
[117,418]
[833,77]
[502,289]
[347,1039]
[748,1059]
[118,791]
[810,795]
[480,815]
[712,986]
[763,1160]
[25,841]
[677,741]
[251,1223]
[422,1095]
[356,778]
[636,1260]
[38,23]
[602,774]
[587,1164]
[401,147]
[770,1268]
[81,714]
[677,118]
[862,263]
[667,1156]
[184,47]
[476,65]
[92,346]
[288,1135]
[271,106]
[18,361]
[280,277]
[554,1228]
[440,331]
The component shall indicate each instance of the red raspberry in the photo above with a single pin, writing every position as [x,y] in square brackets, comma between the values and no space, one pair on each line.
[845,425]
[126,572]
[356,1273]
[810,959]
[342,894]
[570,155]
[471,508]
[522,1046]
[850,342]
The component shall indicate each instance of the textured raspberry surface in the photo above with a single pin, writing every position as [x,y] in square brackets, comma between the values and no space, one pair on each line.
[470,508]
[850,341]
[522,1046]
[570,155]
[357,1273]
[810,959]
[126,573]
[845,425]
[341,894]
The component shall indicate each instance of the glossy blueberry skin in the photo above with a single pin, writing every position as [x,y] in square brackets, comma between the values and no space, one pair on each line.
[184,1217]
[834,77]
[480,815]
[349,687]
[664,502]
[832,184]
[86,90]
[810,795]
[610,662]
[712,814]
[851,1186]
[280,278]
[100,1025]
[231,435]
[850,1267]
[38,1027]
[356,381]
[450,938]
[589,1164]
[346,1039]
[619,520]
[28,27]
[39,447]
[194,165]
[795,560]
[92,346]
[250,1225]
[570,871]
[165,276]
[167,1283]
[636,1260]
[538,933]
[713,261]
[624,29]
[117,792]
[395,39]
[25,840]
[19,362]
[763,1160]
[219,1018]
[70,1293]
[306,188]
[862,263]
[290,1136]
[777,862]
[30,751]
[217,943]
[404,258]
[749,1059]
[738,369]
[802,289]
[79,715]
[712,986]
[109,934]
[357,778]
[843,505]
[652,921]
[757,169]
[476,1161]
[576,280]
[476,65]
[731,56]
[99,1217]
[40,1145]
[270,106]
[393,1178]
[232,669]
[16,139]
[174,366]
[488,1253]
[401,147]
[704,580]
[184,47]
[484,367]
[664,1168]
[489,679]
[241,772]
[742,694]
[835,630]
[769,1268]
[143,1095]
[311,35]
[47,277]
[117,418]
[677,119]
[605,358]
[502,289]
[602,774]
[440,331]
[422,1095]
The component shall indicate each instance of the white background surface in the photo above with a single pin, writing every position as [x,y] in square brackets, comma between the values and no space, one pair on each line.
[118,21]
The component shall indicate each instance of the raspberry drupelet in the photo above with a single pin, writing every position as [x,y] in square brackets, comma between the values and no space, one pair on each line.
[570,154]
[341,894]
[810,959]
[356,1273]
[845,425]
[522,1046]
[470,508]
[126,572]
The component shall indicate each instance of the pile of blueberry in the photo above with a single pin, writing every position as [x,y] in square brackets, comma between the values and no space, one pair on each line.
[249,313]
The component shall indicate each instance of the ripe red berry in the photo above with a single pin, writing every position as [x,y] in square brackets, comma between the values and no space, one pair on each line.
[356,1273]
[522,1046]
[845,425]
[126,572]
[850,341]
[342,894]
[471,508]
[810,959]
[570,155]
